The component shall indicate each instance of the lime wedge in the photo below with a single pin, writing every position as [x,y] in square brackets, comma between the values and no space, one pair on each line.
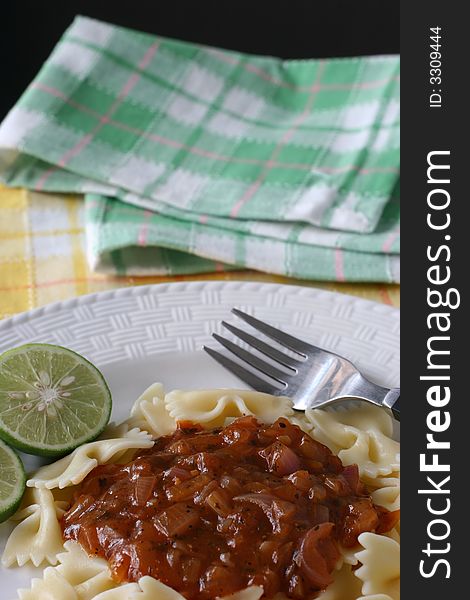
[51,399]
[12,481]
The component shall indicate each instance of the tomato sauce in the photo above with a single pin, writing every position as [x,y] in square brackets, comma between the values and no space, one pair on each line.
[211,512]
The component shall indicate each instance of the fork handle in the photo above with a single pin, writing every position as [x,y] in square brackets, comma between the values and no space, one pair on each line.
[392,401]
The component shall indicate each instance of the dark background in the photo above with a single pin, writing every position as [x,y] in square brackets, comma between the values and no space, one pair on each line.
[426,129]
[289,29]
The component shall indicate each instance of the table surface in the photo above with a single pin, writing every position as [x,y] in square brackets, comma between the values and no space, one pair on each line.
[41,264]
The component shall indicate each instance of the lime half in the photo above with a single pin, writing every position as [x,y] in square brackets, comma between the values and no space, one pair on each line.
[51,399]
[12,481]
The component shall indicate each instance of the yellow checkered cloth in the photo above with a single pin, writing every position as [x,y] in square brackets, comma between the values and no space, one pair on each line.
[42,257]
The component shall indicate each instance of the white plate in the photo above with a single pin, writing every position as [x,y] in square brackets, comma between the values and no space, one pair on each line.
[140,335]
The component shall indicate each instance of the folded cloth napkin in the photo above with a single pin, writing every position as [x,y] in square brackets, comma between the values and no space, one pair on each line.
[119,237]
[284,166]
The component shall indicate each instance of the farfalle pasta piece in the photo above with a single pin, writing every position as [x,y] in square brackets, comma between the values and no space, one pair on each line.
[72,469]
[77,577]
[359,435]
[150,413]
[363,415]
[127,591]
[115,430]
[301,420]
[53,585]
[38,537]
[380,569]
[348,555]
[344,587]
[151,589]
[212,407]
[387,492]
[394,534]
[374,453]
[148,588]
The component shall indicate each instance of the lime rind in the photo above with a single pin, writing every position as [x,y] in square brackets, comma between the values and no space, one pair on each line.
[51,399]
[12,481]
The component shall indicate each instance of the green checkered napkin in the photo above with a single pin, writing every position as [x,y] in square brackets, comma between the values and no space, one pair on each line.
[189,155]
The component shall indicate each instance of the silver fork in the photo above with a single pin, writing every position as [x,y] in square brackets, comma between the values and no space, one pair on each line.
[313,380]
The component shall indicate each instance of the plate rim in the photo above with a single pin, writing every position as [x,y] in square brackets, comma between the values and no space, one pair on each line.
[142,290]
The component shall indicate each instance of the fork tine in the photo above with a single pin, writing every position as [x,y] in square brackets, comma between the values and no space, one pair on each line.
[280,357]
[285,339]
[252,360]
[247,376]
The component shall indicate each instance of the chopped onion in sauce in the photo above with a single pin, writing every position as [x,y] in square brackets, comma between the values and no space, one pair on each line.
[209,513]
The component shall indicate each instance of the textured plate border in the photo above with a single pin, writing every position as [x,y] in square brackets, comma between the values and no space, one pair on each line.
[134,322]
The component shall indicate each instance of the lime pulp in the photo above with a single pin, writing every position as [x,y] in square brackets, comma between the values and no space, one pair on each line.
[52,400]
[12,481]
